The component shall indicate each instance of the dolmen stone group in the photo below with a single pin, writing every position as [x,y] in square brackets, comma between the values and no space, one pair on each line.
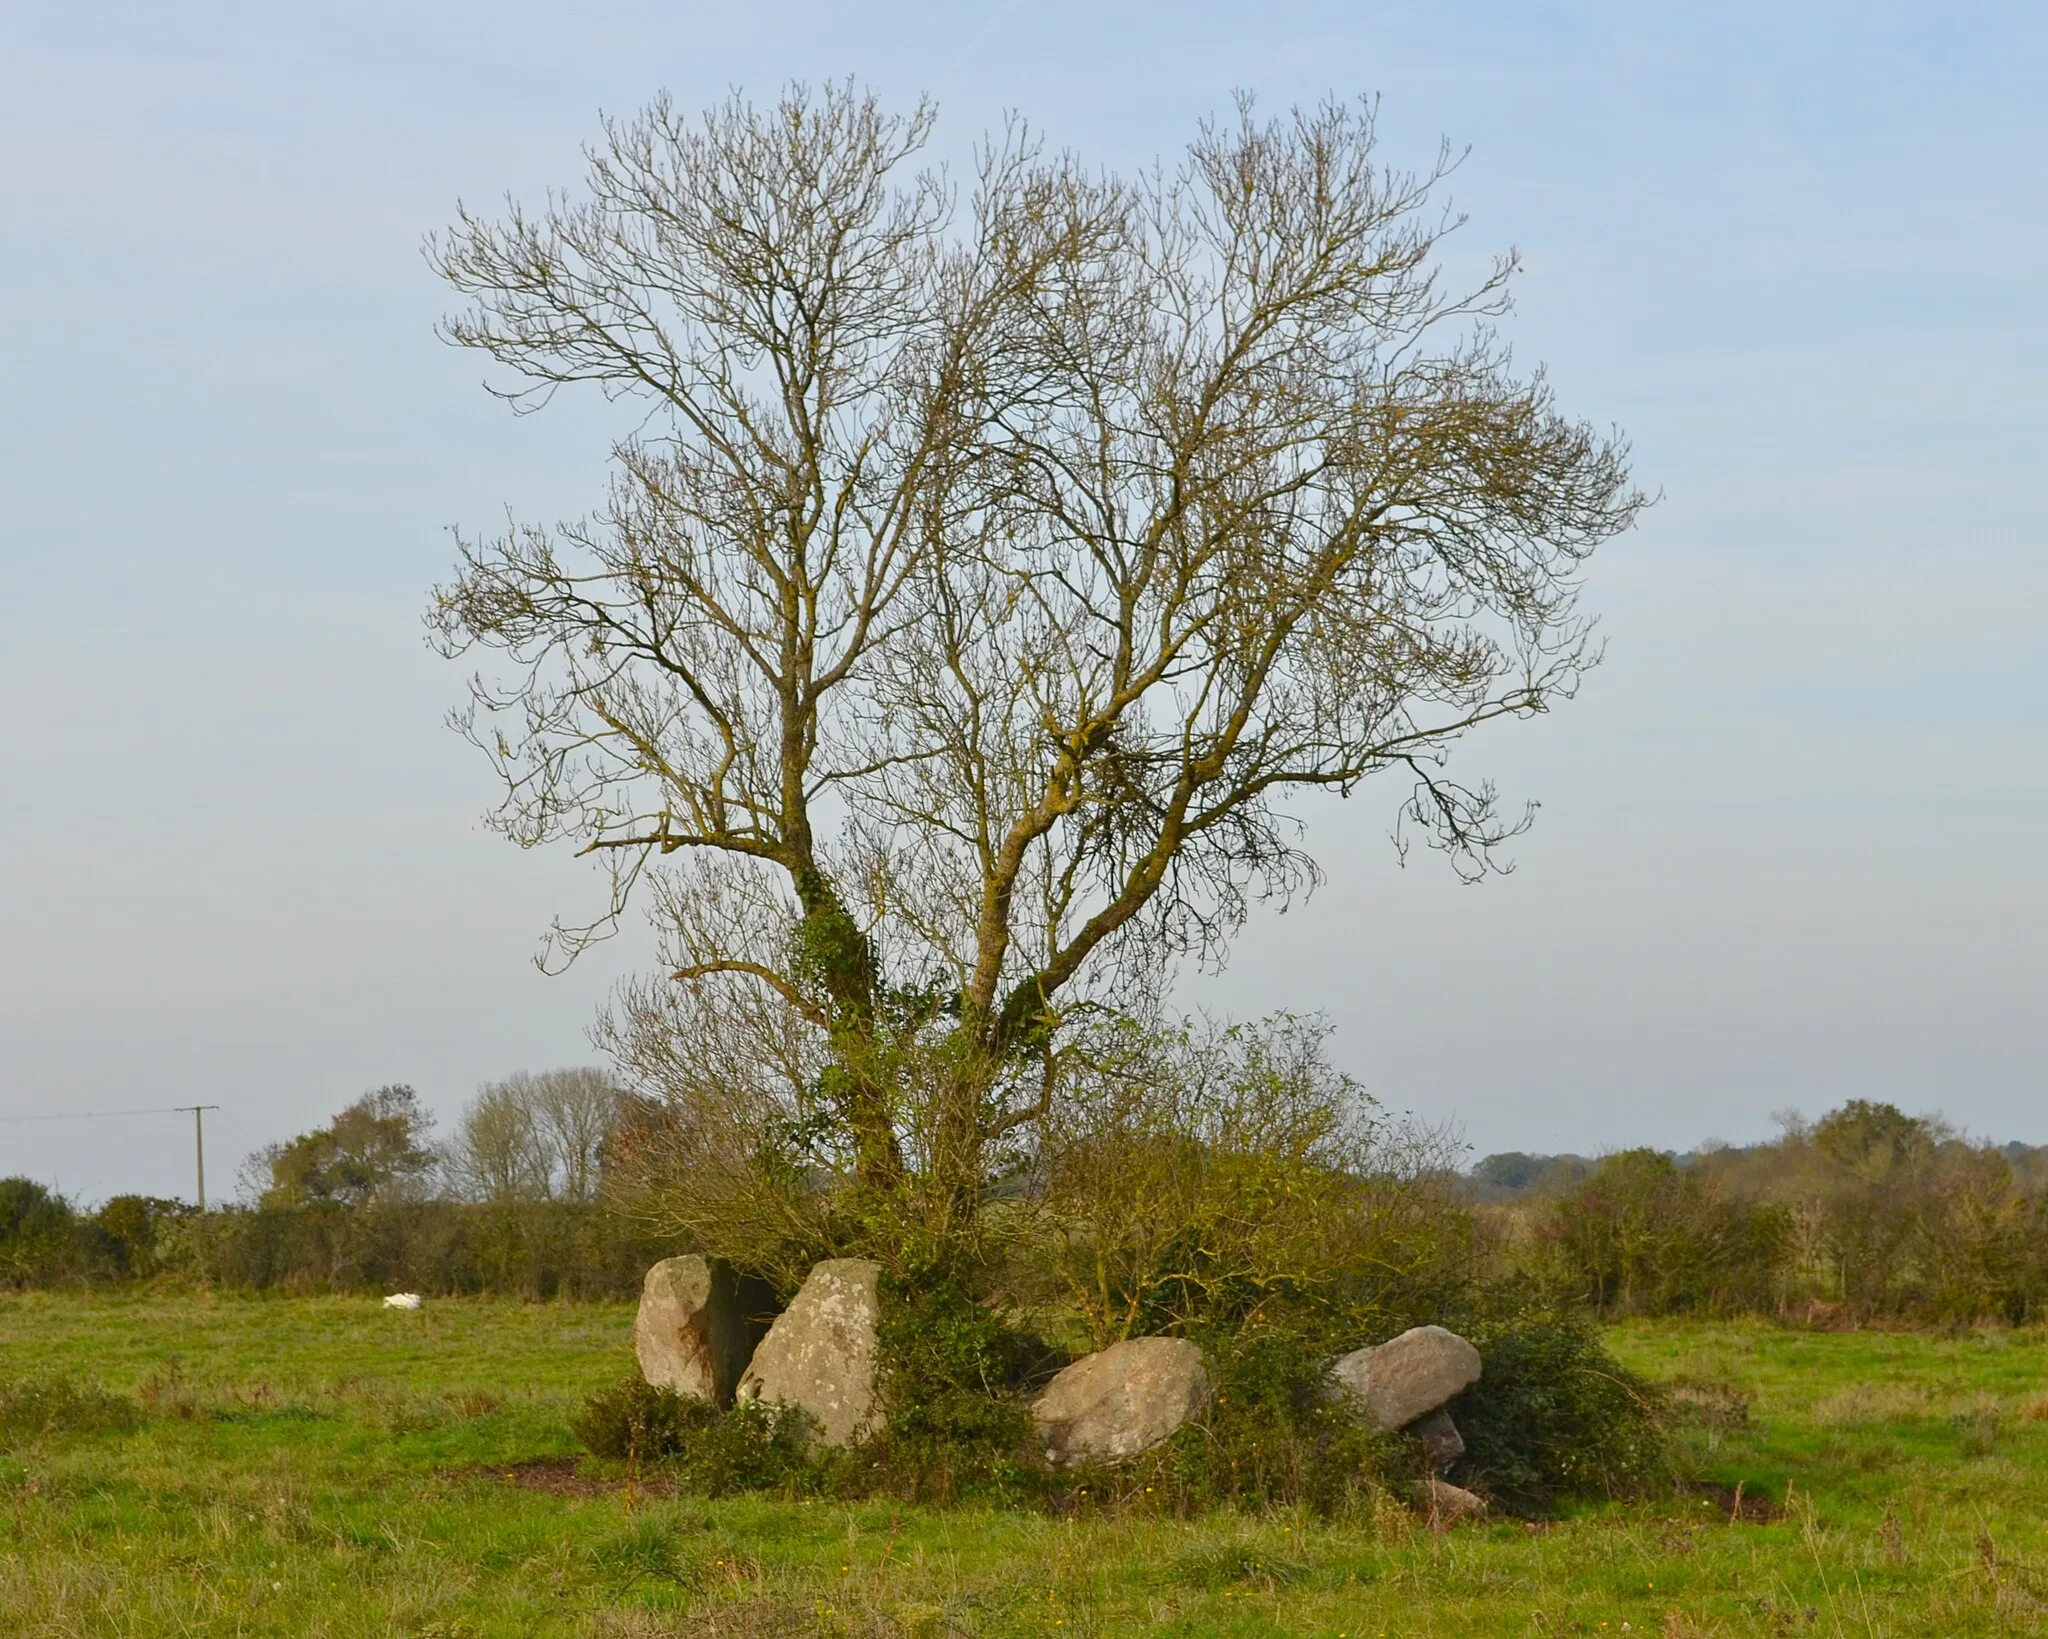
[703,1331]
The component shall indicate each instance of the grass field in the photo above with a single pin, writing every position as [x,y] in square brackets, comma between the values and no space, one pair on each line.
[329,1467]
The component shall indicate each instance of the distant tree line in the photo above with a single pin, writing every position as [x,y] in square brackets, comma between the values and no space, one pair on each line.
[526,1138]
[507,1205]
[1867,1214]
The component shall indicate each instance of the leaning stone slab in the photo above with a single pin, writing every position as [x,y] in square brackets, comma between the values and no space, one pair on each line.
[1410,1376]
[1122,1400]
[1442,1444]
[820,1354]
[694,1331]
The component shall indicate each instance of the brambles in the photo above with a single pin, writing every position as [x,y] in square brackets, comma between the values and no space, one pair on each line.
[950,1370]
[1276,1435]
[633,1417]
[1555,1414]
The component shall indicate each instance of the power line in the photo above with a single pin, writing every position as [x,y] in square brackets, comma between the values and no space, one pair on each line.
[193,1110]
[99,1115]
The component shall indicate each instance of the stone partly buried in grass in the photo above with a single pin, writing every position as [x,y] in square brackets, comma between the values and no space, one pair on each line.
[819,1356]
[1121,1401]
[1447,1504]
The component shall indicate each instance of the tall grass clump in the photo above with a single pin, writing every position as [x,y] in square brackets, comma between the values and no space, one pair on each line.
[34,1407]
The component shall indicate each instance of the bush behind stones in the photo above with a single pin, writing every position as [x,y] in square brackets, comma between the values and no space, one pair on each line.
[1554,1414]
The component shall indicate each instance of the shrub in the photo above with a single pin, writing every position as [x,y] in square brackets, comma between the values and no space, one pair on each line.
[37,1229]
[949,1368]
[130,1227]
[709,1450]
[1642,1236]
[633,1417]
[1277,1433]
[1194,1179]
[1554,1414]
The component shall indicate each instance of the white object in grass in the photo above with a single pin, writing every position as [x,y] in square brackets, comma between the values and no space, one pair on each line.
[404,1300]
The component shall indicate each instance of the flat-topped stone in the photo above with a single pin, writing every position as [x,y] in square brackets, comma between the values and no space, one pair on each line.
[1409,1376]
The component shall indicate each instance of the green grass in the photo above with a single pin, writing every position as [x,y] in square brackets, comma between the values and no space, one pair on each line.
[325,1466]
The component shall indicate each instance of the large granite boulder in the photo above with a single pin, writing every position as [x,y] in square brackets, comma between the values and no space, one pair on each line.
[820,1353]
[697,1327]
[1122,1400]
[1409,1376]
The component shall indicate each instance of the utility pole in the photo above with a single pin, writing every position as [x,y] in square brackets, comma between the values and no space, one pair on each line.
[199,1144]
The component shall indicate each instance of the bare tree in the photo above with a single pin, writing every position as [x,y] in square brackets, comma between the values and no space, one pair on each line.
[576,1112]
[983,575]
[536,1137]
[496,1155]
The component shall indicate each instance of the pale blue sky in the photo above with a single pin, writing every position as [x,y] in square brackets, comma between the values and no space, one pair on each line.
[1790,849]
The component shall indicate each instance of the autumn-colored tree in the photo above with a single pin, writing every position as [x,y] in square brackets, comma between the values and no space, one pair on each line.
[374,1148]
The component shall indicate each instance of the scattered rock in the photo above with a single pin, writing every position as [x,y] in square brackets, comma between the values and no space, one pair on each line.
[1409,1376]
[820,1353]
[1442,1444]
[697,1327]
[1447,1504]
[1122,1400]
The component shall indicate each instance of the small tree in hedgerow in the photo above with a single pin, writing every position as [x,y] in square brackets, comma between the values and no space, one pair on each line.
[987,564]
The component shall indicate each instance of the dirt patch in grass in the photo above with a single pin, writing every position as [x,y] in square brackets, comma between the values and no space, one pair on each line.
[560,1477]
[1731,1504]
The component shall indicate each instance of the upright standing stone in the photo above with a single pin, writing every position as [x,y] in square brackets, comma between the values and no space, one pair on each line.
[1121,1400]
[694,1331]
[1409,1376]
[820,1353]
